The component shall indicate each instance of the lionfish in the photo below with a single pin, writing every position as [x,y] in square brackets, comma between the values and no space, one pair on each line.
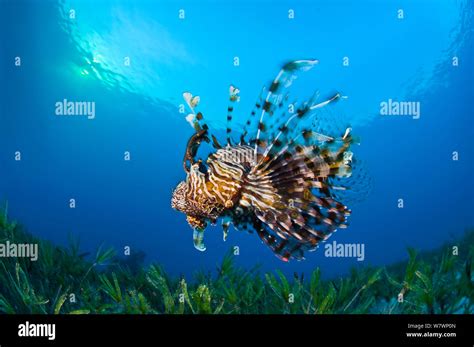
[278,179]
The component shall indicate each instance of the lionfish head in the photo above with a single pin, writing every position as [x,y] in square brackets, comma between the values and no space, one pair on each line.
[180,202]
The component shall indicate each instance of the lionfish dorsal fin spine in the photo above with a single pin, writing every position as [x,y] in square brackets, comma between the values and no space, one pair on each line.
[275,95]
[251,117]
[233,98]
[300,113]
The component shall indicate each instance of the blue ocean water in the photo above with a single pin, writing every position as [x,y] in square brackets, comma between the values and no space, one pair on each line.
[75,50]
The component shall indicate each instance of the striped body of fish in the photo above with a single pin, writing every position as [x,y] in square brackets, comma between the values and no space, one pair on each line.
[281,178]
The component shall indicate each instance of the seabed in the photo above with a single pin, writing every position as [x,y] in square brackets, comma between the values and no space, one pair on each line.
[64,281]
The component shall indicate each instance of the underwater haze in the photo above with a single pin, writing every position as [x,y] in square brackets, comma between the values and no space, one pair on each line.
[134,60]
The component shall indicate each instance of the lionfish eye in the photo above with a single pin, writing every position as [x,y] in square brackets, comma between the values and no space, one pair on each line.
[199,167]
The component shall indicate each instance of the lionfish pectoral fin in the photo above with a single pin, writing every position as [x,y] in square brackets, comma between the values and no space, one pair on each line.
[293,196]
[198,239]
[283,248]
[225,229]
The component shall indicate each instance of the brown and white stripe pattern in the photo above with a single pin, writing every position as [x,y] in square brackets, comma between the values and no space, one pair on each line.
[280,182]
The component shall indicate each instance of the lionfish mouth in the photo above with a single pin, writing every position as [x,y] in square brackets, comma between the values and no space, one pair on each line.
[277,176]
